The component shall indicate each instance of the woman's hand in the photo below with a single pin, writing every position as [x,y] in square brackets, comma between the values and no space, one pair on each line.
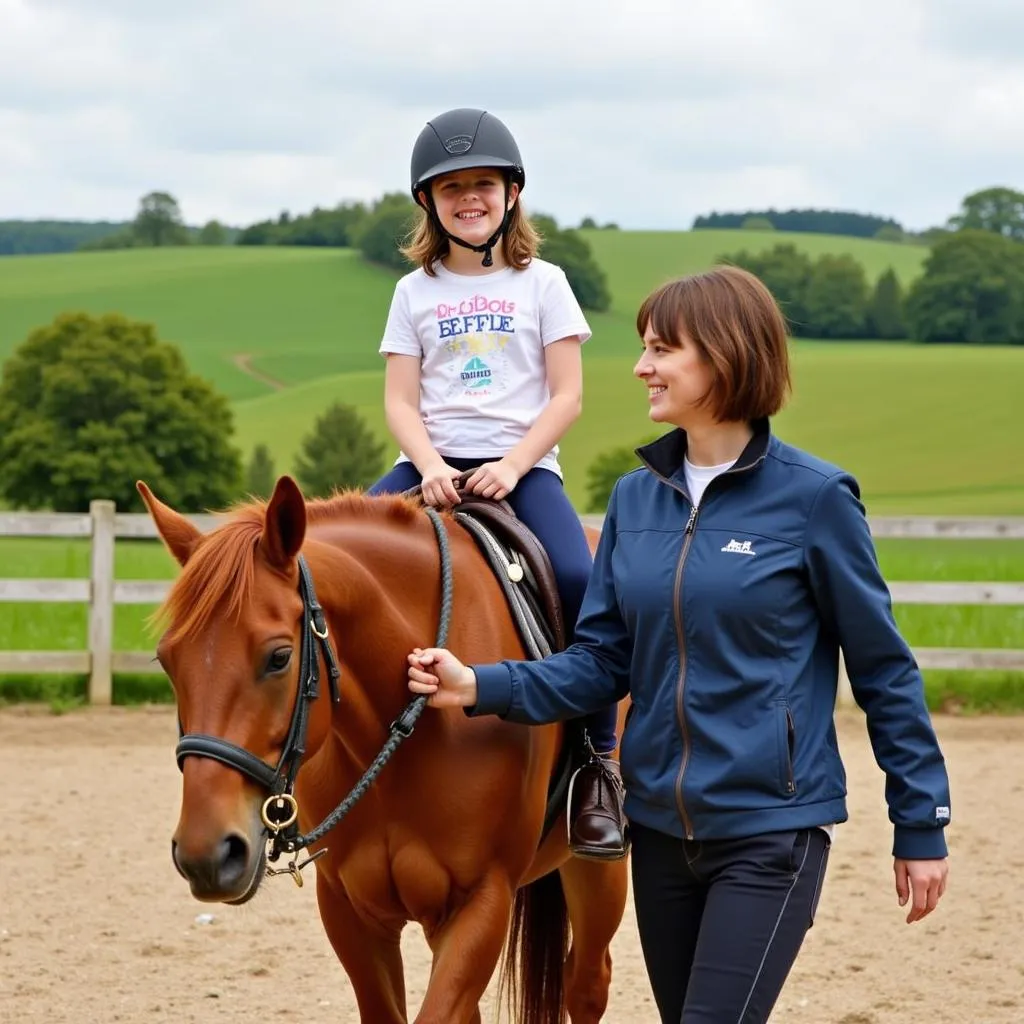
[493,480]
[922,882]
[437,487]
[437,672]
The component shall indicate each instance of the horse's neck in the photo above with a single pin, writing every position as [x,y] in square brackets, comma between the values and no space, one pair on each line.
[376,592]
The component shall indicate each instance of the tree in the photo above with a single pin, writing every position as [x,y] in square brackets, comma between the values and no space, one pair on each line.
[786,273]
[382,231]
[158,221]
[605,470]
[90,404]
[998,210]
[885,309]
[341,451]
[972,290]
[213,233]
[588,224]
[571,251]
[328,228]
[259,474]
[757,224]
[836,298]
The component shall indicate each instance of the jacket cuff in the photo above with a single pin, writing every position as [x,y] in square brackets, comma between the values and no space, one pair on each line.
[493,690]
[919,843]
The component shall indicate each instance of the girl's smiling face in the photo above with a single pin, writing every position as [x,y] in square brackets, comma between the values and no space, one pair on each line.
[471,204]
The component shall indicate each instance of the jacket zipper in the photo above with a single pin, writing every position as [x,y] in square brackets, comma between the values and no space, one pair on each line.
[691,525]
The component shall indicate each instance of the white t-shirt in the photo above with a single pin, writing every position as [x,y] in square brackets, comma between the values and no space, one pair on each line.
[698,477]
[481,341]
[697,480]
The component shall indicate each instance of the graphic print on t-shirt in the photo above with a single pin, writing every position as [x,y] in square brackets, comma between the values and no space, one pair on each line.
[475,333]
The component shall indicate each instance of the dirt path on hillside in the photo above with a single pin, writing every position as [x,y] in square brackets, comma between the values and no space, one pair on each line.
[96,927]
[243,361]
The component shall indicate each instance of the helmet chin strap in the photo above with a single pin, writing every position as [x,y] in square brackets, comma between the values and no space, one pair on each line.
[488,245]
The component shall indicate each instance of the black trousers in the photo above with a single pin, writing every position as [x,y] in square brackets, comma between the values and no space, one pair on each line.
[721,921]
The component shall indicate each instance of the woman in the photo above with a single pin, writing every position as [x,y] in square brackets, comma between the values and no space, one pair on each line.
[732,567]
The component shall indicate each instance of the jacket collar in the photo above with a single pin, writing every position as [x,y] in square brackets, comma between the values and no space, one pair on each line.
[665,456]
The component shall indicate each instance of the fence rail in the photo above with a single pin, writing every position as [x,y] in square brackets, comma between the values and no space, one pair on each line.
[102,592]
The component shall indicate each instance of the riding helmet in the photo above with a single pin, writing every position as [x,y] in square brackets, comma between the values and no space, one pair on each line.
[462,138]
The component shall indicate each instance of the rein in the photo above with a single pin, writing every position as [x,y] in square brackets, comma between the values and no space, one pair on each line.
[280,810]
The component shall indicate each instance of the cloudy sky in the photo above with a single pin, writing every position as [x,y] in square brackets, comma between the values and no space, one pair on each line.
[645,112]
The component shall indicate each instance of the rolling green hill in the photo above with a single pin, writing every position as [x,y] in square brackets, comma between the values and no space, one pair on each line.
[927,429]
[638,261]
[301,314]
[318,309]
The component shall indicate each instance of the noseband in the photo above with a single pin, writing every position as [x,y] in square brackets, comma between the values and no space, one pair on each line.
[280,810]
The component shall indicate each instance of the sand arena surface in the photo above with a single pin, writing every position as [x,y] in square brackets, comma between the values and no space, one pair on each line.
[96,926]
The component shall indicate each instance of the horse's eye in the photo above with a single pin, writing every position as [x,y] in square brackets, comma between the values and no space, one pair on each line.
[279,659]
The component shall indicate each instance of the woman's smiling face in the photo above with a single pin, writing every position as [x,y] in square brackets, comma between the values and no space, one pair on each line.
[678,380]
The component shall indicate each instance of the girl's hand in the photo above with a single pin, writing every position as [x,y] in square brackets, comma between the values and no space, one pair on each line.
[493,480]
[922,882]
[437,487]
[440,674]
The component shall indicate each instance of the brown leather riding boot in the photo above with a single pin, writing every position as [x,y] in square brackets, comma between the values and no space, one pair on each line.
[597,820]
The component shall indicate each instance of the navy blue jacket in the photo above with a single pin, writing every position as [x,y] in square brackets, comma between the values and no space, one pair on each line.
[723,623]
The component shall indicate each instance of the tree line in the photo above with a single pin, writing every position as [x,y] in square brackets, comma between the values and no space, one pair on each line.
[826,222]
[376,229]
[971,291]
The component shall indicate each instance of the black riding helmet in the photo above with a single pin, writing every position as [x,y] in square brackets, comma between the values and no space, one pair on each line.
[459,139]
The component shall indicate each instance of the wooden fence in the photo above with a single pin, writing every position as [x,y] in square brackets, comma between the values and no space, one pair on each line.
[102,592]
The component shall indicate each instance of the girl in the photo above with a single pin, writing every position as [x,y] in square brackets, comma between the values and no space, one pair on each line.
[484,373]
[732,567]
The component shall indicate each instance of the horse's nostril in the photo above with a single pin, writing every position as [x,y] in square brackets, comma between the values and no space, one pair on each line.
[234,859]
[174,859]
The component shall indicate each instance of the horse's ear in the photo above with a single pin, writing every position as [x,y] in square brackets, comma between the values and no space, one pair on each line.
[178,534]
[284,526]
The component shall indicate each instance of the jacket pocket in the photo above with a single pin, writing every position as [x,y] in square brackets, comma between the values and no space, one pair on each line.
[785,739]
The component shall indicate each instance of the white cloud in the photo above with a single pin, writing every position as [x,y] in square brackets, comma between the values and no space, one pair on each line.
[642,112]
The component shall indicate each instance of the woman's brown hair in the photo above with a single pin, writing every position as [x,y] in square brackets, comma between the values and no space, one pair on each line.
[426,243]
[736,324]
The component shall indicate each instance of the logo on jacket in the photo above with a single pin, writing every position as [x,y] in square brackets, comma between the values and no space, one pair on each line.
[740,547]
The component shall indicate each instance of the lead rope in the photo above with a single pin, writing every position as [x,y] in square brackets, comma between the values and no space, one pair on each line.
[400,730]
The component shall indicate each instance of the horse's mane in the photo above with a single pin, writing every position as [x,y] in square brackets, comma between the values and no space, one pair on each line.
[220,571]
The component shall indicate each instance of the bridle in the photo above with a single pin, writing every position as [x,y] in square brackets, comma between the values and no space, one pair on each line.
[280,810]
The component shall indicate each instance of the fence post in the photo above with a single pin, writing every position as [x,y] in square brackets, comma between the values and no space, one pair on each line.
[101,602]
[844,694]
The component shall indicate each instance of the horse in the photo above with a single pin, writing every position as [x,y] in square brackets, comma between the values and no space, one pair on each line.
[448,829]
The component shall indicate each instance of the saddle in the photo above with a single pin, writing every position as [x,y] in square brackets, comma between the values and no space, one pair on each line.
[523,571]
[520,565]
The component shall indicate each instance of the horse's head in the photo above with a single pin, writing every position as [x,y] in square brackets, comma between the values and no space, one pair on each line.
[232,650]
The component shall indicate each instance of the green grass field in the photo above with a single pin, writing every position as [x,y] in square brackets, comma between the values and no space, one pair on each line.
[321,309]
[909,420]
[927,429]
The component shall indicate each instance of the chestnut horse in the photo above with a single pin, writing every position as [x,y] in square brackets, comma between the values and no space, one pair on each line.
[450,834]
